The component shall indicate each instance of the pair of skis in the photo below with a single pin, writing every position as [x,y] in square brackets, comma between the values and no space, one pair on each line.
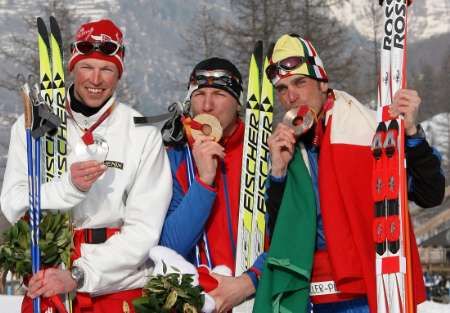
[391,224]
[52,88]
[255,167]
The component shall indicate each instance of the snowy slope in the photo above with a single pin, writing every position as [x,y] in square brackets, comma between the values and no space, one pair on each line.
[433,307]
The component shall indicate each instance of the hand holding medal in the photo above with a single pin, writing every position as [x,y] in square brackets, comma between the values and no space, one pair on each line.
[203,134]
[89,162]
[296,122]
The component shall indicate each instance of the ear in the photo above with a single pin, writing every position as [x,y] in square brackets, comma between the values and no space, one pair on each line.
[323,86]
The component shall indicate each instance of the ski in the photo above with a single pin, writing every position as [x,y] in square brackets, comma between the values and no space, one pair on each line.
[262,168]
[249,158]
[58,96]
[58,101]
[46,91]
[255,168]
[391,223]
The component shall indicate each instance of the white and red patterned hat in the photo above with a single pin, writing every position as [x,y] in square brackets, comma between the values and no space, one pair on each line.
[97,32]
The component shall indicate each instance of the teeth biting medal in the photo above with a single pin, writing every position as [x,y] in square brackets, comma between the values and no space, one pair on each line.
[300,119]
[203,125]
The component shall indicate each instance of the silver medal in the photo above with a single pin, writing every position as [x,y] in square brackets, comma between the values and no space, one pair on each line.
[97,151]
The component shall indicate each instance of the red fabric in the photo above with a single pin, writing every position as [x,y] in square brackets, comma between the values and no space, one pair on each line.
[321,272]
[116,302]
[206,281]
[347,211]
[52,304]
[99,31]
[201,182]
[181,176]
[78,239]
[217,225]
[110,303]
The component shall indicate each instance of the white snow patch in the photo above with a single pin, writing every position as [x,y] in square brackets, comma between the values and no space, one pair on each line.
[433,307]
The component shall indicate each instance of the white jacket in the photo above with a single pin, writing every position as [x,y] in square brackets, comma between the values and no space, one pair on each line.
[135,197]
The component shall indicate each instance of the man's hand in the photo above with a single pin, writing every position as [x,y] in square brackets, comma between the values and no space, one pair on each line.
[281,145]
[206,151]
[231,291]
[50,282]
[84,174]
[406,102]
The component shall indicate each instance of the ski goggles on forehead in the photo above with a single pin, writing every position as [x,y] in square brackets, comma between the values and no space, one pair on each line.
[216,77]
[221,79]
[287,65]
[109,48]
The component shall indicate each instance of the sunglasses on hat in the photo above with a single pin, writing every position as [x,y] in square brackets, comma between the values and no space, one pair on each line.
[109,48]
[287,65]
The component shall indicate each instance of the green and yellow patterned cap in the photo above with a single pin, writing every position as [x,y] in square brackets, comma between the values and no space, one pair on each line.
[295,55]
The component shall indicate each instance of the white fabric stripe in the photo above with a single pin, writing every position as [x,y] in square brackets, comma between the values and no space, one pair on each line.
[317,71]
[120,60]
[323,288]
[311,52]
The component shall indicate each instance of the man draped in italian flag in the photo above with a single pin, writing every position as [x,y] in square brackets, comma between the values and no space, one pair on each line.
[322,251]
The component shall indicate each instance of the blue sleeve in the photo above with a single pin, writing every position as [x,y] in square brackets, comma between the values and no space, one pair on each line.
[255,271]
[186,216]
[426,180]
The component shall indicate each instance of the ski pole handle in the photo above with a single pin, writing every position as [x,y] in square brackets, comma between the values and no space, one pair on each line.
[25,93]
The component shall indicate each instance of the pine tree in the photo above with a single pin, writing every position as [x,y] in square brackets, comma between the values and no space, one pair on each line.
[22,53]
[266,20]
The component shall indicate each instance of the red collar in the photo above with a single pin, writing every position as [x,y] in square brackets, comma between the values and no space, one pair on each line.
[236,138]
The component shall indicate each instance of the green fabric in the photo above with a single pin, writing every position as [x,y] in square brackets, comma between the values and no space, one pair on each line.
[284,284]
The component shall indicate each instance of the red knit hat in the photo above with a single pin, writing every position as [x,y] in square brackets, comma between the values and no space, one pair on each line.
[97,32]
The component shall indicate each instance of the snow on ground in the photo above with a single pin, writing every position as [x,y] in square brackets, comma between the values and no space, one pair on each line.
[433,307]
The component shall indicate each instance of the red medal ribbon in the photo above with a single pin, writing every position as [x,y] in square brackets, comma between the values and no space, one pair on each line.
[320,123]
[88,137]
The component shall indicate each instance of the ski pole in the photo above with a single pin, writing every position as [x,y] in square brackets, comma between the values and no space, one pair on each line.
[191,175]
[25,92]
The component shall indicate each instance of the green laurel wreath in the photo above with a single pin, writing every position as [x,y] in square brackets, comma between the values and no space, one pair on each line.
[54,243]
[170,293]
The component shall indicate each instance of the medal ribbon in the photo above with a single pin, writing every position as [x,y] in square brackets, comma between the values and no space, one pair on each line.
[88,137]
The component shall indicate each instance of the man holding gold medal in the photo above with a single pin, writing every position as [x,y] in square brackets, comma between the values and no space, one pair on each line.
[202,220]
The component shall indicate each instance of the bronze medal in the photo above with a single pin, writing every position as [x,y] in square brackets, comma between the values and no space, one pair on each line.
[206,125]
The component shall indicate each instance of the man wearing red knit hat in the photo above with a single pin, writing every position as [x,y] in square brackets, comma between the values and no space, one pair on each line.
[116,169]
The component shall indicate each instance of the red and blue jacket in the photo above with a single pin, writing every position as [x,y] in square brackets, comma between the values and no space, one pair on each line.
[202,208]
